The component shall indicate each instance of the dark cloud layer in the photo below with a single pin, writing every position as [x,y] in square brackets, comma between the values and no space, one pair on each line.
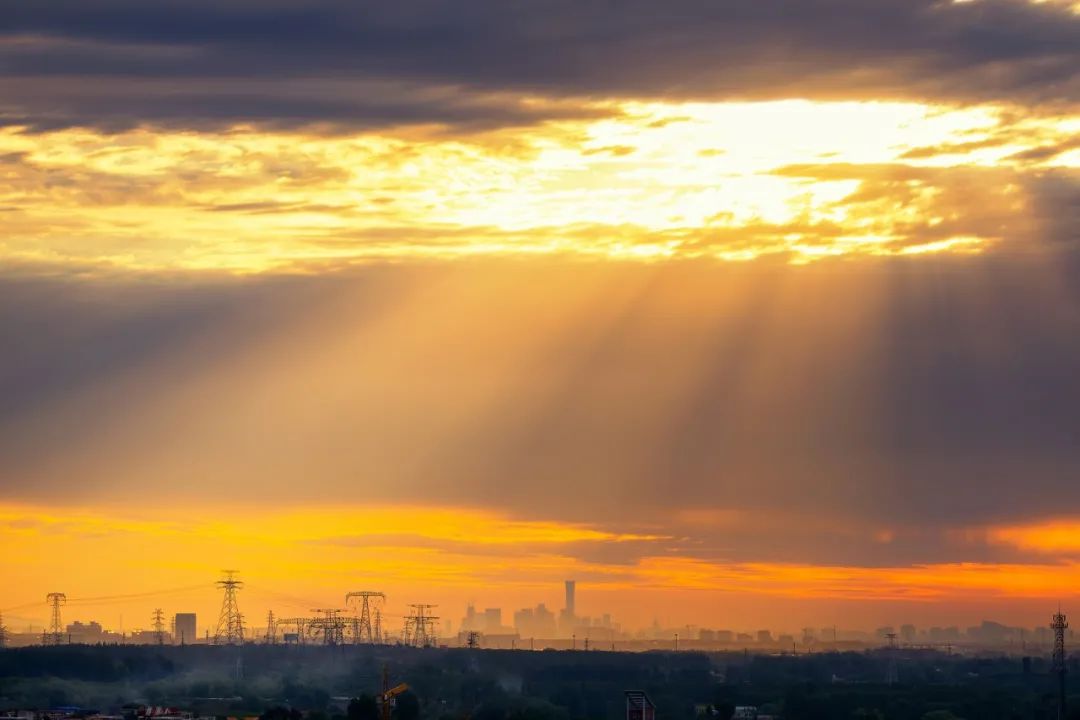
[817,404]
[995,50]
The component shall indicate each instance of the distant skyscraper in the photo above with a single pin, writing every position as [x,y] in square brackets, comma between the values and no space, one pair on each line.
[492,620]
[538,622]
[470,621]
[568,616]
[185,628]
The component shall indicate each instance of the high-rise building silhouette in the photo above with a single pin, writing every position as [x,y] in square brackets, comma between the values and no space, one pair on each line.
[184,628]
[568,615]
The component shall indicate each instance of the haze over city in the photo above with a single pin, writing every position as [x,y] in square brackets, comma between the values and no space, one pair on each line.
[742,315]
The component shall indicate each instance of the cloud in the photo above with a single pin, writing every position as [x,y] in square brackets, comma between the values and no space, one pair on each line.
[325,106]
[285,64]
[627,186]
[821,411]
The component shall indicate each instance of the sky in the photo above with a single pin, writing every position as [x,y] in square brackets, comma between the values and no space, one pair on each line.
[741,314]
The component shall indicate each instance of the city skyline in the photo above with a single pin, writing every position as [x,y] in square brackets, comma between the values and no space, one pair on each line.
[524,623]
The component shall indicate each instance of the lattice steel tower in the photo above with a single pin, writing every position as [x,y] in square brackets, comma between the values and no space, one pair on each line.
[1059,624]
[420,626]
[331,624]
[892,674]
[364,632]
[159,626]
[230,626]
[55,636]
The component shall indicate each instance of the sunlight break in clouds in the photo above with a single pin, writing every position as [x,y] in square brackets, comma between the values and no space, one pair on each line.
[732,181]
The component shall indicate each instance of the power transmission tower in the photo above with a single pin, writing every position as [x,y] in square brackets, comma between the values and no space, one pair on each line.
[299,637]
[55,635]
[271,629]
[230,626]
[420,626]
[364,633]
[1060,624]
[331,624]
[378,627]
[159,626]
[892,674]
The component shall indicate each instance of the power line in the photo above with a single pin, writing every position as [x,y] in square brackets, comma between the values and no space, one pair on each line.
[16,608]
[291,600]
[105,599]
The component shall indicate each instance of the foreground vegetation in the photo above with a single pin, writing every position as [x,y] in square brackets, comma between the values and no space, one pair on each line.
[286,683]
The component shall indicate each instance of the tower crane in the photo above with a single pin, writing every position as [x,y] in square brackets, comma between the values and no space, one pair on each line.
[389,693]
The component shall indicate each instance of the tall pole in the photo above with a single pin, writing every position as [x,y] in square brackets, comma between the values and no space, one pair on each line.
[1059,624]
[385,708]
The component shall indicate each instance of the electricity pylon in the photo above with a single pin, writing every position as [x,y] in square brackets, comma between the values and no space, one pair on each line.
[364,632]
[331,625]
[159,626]
[230,626]
[420,626]
[55,636]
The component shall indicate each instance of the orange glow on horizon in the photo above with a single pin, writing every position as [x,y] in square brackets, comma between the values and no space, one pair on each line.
[443,553]
[1055,536]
